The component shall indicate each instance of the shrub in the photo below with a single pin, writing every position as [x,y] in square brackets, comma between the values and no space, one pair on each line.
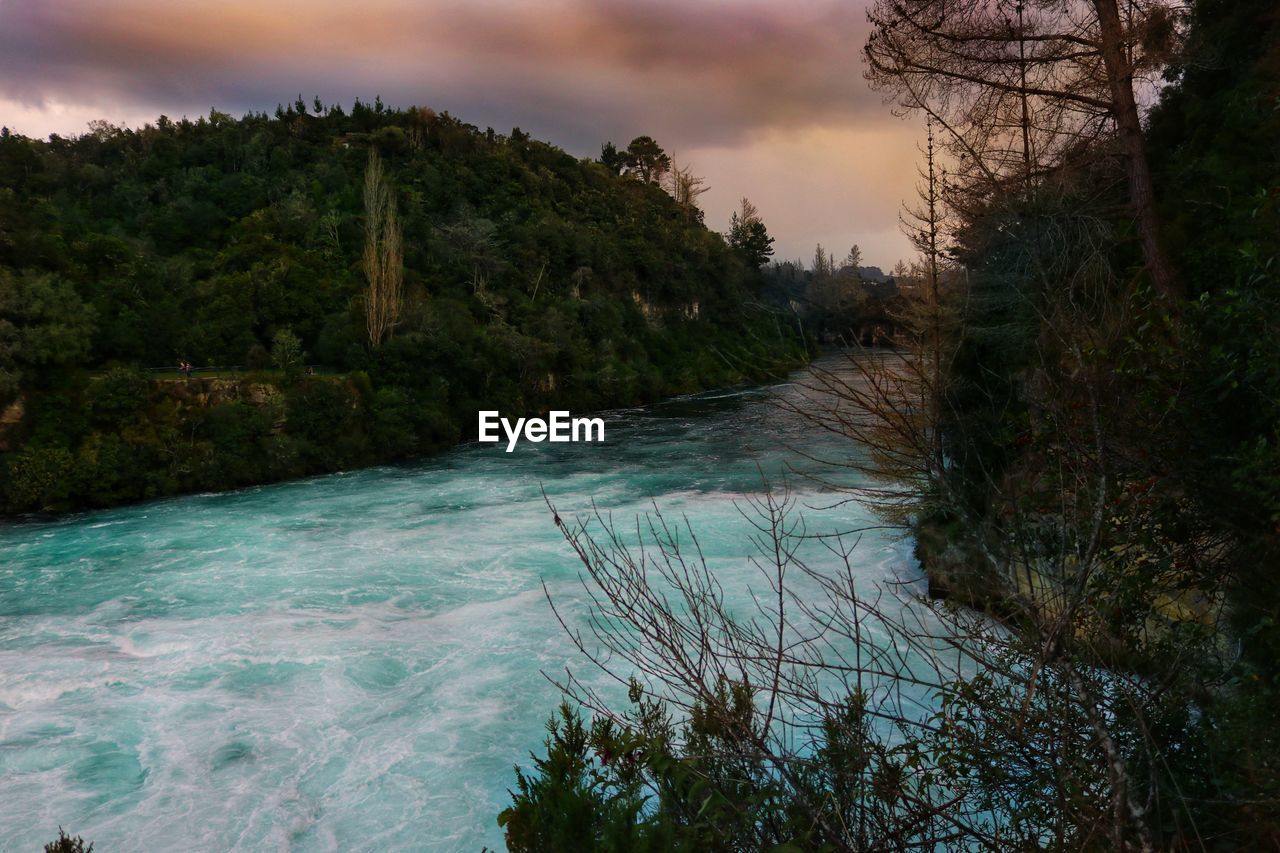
[66,844]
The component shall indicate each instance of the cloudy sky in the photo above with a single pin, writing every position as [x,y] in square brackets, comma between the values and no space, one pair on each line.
[765,98]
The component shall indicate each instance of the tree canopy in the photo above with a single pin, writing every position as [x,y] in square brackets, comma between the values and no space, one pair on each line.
[748,235]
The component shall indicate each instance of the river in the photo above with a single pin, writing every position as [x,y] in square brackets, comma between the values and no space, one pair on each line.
[352,661]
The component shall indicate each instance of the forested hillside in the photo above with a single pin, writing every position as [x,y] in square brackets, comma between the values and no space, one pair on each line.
[516,278]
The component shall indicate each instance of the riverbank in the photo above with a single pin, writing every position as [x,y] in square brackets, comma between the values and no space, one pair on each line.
[126,436]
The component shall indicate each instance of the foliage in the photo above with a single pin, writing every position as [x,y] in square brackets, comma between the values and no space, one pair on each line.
[573,800]
[43,324]
[286,352]
[67,844]
[645,159]
[748,235]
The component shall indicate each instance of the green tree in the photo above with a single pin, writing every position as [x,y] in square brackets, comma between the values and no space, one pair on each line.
[748,235]
[43,323]
[612,159]
[67,844]
[645,159]
[286,352]
[573,799]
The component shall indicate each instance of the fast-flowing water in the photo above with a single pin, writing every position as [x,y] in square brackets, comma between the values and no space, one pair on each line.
[346,662]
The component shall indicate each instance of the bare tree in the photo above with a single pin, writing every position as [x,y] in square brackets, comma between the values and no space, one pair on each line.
[834,714]
[1021,87]
[685,187]
[383,258]
[925,315]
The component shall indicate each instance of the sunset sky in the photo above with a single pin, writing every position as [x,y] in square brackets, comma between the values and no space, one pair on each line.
[764,98]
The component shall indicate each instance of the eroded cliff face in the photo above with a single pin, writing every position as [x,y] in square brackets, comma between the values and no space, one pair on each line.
[10,418]
[200,392]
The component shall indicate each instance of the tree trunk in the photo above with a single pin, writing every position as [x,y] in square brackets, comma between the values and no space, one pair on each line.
[1129,124]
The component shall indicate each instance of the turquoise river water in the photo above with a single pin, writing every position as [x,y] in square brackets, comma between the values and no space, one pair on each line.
[347,662]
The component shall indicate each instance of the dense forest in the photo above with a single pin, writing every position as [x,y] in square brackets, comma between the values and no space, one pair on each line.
[344,288]
[1082,435]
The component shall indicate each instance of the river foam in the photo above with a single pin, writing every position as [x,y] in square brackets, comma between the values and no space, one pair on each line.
[348,662]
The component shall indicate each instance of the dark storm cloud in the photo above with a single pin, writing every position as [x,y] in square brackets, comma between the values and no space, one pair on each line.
[763,97]
[575,70]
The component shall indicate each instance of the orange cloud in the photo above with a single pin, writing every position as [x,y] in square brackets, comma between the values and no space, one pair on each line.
[763,88]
